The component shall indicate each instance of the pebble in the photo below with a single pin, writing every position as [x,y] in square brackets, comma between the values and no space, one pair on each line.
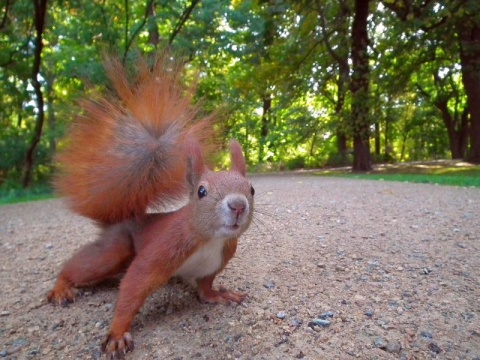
[269,284]
[369,313]
[281,315]
[359,299]
[326,315]
[435,348]
[17,345]
[426,335]
[380,343]
[426,271]
[5,313]
[394,348]
[296,322]
[319,322]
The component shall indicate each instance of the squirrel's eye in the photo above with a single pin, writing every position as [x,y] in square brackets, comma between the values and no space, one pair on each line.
[252,190]
[202,192]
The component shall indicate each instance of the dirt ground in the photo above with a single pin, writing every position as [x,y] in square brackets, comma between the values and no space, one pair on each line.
[334,269]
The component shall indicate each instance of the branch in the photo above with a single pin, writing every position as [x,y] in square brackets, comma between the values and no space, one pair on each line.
[183,19]
[5,15]
[129,42]
[341,61]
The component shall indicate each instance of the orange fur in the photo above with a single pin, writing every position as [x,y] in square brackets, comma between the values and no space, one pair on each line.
[126,154]
[143,148]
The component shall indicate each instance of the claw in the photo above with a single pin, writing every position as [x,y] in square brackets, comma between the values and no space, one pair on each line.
[116,347]
[222,296]
[62,295]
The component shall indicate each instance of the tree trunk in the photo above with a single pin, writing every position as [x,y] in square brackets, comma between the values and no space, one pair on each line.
[51,120]
[342,87]
[153,33]
[457,129]
[359,87]
[377,139]
[267,104]
[469,33]
[39,18]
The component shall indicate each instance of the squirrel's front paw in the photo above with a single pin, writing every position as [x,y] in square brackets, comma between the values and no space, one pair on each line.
[62,294]
[117,346]
[222,296]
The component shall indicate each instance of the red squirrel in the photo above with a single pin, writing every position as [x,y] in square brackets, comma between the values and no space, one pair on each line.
[127,153]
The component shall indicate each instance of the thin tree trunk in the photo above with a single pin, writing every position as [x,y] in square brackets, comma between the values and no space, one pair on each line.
[39,19]
[264,127]
[51,120]
[359,88]
[469,32]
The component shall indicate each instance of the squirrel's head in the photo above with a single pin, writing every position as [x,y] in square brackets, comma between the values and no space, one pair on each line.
[222,202]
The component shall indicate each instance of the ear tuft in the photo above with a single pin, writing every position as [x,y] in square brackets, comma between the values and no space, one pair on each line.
[238,160]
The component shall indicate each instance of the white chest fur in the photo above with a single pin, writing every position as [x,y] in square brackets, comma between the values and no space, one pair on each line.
[205,261]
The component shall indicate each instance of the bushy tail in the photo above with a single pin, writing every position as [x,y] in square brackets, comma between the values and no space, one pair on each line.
[127,153]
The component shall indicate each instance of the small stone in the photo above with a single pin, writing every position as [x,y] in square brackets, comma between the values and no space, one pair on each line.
[359,299]
[49,246]
[269,284]
[426,271]
[300,355]
[99,325]
[326,315]
[410,332]
[17,345]
[426,335]
[5,313]
[281,315]
[369,313]
[321,265]
[394,348]
[380,343]
[435,348]
[319,322]
[296,322]
[462,245]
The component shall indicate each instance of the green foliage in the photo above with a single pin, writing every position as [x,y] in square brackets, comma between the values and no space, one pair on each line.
[450,180]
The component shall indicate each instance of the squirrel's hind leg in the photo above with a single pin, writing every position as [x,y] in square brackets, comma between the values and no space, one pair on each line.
[103,259]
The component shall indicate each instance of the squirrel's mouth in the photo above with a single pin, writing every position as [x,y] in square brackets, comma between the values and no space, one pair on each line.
[233,227]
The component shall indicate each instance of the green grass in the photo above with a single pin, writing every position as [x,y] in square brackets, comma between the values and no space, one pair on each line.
[452,173]
[452,180]
[18,195]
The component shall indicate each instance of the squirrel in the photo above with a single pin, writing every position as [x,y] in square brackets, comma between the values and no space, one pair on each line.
[127,153]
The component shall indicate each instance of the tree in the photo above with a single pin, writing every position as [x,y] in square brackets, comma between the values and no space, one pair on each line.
[40,15]
[359,86]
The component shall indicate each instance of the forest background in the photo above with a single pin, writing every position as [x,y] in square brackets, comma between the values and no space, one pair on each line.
[302,83]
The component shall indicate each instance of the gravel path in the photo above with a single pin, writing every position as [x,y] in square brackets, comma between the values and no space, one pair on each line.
[334,268]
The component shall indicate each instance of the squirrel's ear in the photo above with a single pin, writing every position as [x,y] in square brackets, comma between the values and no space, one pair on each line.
[195,164]
[238,160]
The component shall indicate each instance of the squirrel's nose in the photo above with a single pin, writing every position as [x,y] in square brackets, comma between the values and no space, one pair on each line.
[237,206]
